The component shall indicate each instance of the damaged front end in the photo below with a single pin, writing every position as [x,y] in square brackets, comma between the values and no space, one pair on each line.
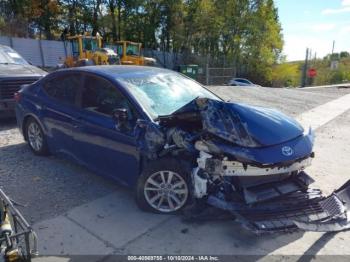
[249,161]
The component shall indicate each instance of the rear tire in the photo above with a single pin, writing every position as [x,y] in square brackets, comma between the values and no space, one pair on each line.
[164,186]
[36,138]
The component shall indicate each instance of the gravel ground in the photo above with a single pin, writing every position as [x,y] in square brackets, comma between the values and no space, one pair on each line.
[50,186]
[7,123]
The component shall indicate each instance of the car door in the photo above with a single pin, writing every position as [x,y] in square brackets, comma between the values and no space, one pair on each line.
[101,145]
[60,110]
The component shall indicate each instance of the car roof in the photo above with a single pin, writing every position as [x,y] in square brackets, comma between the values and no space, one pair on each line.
[239,78]
[118,70]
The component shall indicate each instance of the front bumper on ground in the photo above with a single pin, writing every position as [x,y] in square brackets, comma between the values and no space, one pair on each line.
[270,199]
[305,209]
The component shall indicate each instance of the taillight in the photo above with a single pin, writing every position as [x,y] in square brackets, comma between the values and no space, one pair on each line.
[17,96]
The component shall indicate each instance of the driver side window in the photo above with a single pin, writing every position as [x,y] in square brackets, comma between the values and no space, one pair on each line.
[99,95]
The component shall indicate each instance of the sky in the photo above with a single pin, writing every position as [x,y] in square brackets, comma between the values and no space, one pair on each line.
[314,24]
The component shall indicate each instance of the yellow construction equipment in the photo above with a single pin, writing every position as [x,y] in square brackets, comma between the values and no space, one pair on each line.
[87,50]
[130,54]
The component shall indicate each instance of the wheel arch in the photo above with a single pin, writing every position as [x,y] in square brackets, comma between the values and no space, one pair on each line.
[186,161]
[25,121]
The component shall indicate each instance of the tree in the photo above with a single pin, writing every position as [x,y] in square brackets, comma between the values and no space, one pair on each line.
[344,54]
[285,75]
[264,42]
[243,34]
[112,4]
[44,14]
[16,17]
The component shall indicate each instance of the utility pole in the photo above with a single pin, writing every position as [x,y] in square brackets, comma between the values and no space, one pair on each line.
[303,78]
[334,60]
[207,73]
[310,55]
[315,57]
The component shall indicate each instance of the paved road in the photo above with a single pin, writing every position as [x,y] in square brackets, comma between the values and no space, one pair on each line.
[77,212]
[290,101]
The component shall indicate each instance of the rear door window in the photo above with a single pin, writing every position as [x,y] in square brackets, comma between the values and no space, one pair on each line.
[64,88]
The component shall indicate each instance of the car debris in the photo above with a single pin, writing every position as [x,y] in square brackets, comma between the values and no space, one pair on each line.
[250,162]
[18,241]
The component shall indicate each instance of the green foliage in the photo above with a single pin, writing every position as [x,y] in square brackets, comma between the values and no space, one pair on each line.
[334,56]
[2,22]
[344,54]
[264,42]
[289,74]
[325,75]
[244,34]
[286,75]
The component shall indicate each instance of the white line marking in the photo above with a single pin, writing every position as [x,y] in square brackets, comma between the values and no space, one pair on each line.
[321,115]
[325,86]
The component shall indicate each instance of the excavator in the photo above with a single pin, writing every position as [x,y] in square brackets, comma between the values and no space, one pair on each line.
[130,54]
[88,50]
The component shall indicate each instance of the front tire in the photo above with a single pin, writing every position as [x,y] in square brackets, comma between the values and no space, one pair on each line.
[163,186]
[36,138]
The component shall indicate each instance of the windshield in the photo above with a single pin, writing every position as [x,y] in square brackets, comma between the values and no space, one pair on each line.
[10,56]
[163,93]
[243,81]
[89,44]
[132,49]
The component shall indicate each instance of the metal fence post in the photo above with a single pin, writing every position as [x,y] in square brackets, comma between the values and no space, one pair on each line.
[65,48]
[41,53]
[304,72]
[207,76]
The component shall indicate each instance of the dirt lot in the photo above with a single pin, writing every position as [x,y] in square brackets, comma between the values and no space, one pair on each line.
[68,203]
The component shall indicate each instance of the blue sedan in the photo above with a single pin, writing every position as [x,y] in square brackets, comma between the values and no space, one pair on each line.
[161,133]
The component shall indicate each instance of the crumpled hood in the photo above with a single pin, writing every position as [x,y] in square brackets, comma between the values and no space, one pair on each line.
[12,70]
[267,126]
[244,125]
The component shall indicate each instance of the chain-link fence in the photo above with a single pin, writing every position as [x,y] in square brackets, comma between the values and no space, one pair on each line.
[219,75]
[48,53]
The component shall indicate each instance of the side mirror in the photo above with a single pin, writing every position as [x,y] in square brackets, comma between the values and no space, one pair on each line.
[120,115]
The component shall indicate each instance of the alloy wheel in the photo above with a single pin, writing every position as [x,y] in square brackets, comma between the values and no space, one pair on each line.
[35,137]
[166,191]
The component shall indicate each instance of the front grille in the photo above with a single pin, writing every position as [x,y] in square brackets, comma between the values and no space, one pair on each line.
[9,86]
